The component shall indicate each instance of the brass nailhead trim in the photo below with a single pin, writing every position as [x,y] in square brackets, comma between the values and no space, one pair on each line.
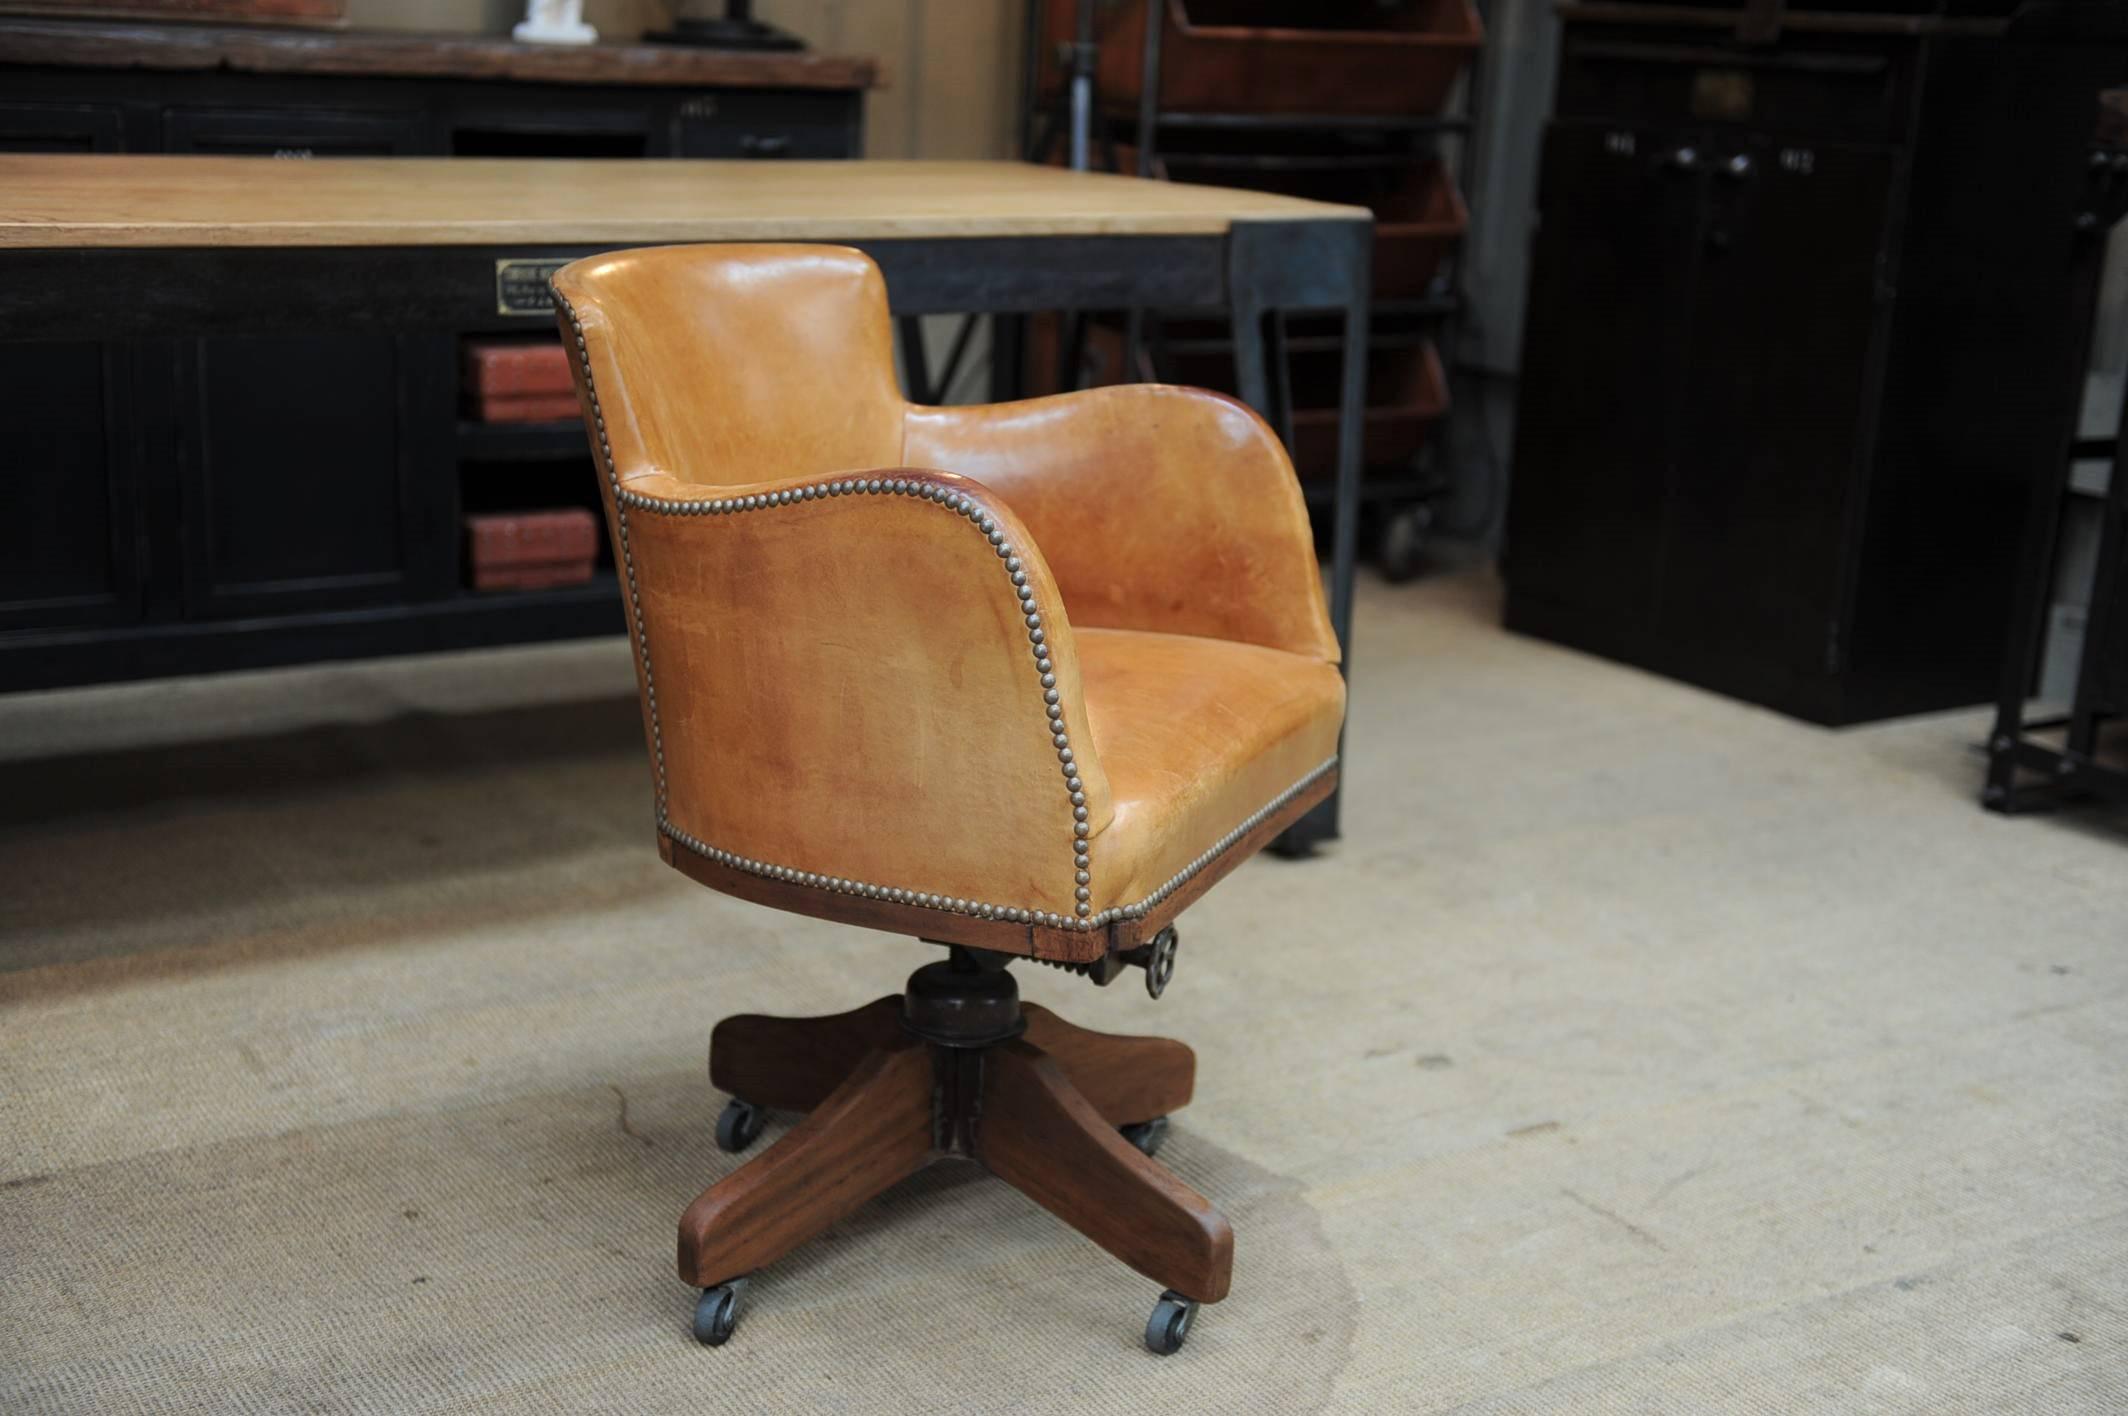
[983,909]
[967,507]
[1221,846]
[620,524]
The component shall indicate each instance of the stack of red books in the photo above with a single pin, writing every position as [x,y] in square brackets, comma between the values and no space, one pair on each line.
[518,381]
[531,550]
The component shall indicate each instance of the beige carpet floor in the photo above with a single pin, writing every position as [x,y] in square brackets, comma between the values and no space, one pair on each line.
[1637,1051]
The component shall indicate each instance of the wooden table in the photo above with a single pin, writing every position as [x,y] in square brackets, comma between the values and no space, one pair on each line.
[146,252]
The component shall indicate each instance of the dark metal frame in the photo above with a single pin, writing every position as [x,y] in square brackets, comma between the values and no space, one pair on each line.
[2073,769]
[1257,271]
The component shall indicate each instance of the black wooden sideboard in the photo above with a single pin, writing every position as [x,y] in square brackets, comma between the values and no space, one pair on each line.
[1801,335]
[163,501]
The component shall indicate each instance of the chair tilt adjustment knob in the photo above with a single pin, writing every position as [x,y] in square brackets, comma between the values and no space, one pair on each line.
[1156,956]
[1158,961]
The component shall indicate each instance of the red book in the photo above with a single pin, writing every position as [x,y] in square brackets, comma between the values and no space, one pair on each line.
[515,367]
[525,407]
[530,550]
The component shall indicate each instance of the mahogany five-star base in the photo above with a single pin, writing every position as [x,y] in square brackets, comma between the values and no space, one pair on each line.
[954,1066]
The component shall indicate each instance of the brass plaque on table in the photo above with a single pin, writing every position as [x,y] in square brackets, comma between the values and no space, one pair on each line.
[521,286]
[1724,95]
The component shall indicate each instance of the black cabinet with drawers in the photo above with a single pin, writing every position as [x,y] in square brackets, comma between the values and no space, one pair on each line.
[1797,331]
[172,505]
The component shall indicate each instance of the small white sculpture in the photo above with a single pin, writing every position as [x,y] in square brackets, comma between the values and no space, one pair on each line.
[554,22]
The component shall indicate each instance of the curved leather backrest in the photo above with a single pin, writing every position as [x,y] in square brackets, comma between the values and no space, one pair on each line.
[848,684]
[739,364]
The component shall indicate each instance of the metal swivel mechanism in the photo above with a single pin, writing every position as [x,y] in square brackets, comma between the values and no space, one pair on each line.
[1156,956]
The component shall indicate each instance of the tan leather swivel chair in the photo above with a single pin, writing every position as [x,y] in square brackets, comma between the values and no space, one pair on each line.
[1022,680]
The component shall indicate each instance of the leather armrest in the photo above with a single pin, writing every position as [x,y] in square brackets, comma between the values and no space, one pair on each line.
[1159,507]
[787,623]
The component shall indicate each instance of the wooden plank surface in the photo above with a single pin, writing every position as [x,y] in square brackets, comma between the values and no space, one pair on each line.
[114,200]
[412,54]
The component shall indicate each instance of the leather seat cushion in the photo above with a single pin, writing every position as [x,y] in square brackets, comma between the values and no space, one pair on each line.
[1196,736]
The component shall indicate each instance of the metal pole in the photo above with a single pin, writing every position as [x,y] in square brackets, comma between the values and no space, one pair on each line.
[1149,89]
[1082,87]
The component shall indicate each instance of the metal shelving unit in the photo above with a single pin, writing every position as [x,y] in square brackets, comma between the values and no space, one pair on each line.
[2035,762]
[1277,151]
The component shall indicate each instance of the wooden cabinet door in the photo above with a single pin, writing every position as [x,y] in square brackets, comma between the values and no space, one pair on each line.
[61,127]
[767,125]
[69,481]
[1604,346]
[311,473]
[1773,458]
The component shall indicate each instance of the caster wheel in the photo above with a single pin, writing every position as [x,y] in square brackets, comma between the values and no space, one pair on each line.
[739,1126]
[1400,545]
[717,1313]
[1169,1326]
[1147,1135]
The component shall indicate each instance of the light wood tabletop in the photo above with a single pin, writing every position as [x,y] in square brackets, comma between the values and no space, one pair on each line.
[169,201]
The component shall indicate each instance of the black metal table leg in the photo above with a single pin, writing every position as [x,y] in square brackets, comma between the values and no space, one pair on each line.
[1008,344]
[1351,433]
[915,360]
[1276,268]
[1245,326]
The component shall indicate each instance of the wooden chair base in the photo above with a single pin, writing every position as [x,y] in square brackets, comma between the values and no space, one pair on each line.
[956,1066]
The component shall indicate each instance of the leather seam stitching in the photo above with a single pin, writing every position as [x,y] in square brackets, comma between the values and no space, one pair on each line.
[638,631]
[1226,843]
